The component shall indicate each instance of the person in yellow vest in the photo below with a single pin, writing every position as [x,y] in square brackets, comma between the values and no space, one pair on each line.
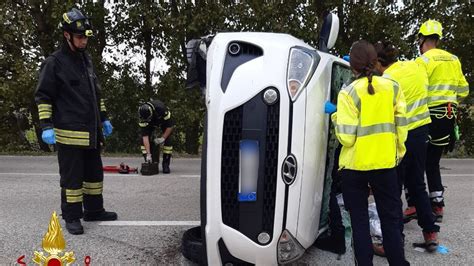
[370,124]
[447,87]
[411,172]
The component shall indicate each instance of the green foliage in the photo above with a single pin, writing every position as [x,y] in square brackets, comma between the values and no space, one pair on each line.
[129,30]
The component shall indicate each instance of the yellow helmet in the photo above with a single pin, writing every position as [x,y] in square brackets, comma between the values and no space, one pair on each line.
[431,27]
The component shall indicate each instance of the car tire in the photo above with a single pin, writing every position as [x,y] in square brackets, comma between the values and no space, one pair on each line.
[192,246]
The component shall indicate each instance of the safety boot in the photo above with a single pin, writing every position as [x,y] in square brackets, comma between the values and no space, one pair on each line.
[74,227]
[409,214]
[100,216]
[438,213]
[378,249]
[334,243]
[431,241]
[166,163]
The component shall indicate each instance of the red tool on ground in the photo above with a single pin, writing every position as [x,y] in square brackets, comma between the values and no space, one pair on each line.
[122,169]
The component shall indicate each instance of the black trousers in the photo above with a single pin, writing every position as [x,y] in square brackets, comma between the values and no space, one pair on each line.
[335,218]
[384,184]
[155,149]
[440,133]
[411,173]
[81,181]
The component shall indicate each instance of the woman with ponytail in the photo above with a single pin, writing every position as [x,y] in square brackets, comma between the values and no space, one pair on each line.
[371,126]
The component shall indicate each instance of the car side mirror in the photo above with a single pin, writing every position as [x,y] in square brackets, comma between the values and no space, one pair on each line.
[329,32]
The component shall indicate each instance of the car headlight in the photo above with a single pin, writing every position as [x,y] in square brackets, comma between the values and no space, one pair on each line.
[301,66]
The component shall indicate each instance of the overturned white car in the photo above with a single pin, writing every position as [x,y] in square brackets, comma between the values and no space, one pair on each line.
[264,156]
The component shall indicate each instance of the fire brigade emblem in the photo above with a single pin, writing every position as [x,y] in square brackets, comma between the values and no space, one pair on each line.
[54,244]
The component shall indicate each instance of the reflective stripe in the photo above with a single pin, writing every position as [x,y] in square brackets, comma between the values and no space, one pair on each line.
[168,115]
[445,137]
[401,121]
[102,106]
[93,191]
[463,89]
[436,194]
[45,111]
[355,98]
[92,184]
[442,87]
[70,141]
[72,133]
[167,149]
[376,129]
[412,106]
[425,58]
[45,115]
[346,129]
[74,199]
[442,98]
[143,124]
[143,149]
[45,107]
[418,117]
[395,92]
[73,192]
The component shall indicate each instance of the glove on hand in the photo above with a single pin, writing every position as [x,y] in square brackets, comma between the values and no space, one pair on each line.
[48,136]
[329,107]
[159,141]
[107,128]
[148,158]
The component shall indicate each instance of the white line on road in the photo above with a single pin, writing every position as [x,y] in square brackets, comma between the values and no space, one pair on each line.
[150,223]
[192,176]
[106,174]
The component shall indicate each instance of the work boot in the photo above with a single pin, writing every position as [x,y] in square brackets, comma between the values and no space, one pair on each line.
[431,241]
[100,216]
[438,213]
[409,214]
[334,243]
[74,227]
[166,163]
[378,249]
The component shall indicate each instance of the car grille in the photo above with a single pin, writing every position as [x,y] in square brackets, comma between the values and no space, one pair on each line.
[255,217]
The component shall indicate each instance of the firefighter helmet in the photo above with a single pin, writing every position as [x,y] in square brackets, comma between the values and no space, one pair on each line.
[74,21]
[431,27]
[145,112]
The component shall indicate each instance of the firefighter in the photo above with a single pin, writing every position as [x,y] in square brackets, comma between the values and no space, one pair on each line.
[155,114]
[370,124]
[413,82]
[73,116]
[447,86]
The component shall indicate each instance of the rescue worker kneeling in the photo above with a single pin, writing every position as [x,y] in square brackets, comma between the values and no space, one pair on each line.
[371,126]
[155,114]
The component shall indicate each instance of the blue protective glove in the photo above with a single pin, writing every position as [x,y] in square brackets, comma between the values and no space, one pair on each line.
[48,136]
[347,58]
[329,107]
[107,128]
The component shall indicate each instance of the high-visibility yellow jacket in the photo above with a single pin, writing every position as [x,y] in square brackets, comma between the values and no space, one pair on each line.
[446,80]
[414,82]
[371,128]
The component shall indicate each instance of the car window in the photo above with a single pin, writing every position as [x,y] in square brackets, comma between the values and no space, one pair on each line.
[341,76]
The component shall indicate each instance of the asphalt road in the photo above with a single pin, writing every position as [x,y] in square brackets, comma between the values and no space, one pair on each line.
[154,212]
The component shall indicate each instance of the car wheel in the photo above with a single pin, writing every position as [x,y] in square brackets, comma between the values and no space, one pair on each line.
[191,245]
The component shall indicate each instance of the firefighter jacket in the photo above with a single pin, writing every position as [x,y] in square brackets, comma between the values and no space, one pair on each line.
[446,80]
[161,118]
[414,82]
[69,100]
[371,128]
